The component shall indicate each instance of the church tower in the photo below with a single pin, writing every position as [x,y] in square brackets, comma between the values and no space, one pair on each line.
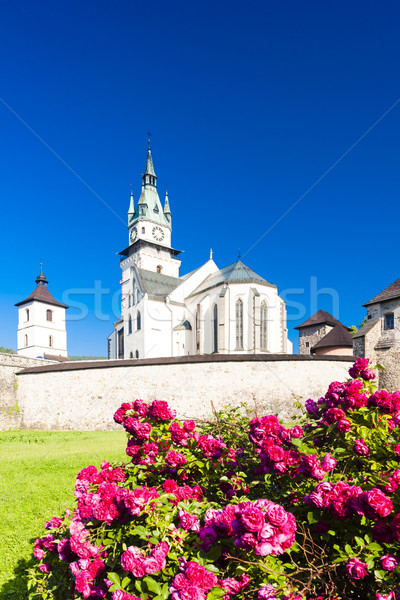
[41,323]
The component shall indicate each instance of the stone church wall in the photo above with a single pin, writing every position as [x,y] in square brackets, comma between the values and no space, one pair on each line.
[10,412]
[85,395]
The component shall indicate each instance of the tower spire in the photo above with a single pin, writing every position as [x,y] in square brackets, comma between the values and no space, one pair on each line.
[131,211]
[149,176]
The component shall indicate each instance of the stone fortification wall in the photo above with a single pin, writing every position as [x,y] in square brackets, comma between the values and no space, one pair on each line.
[85,395]
[10,413]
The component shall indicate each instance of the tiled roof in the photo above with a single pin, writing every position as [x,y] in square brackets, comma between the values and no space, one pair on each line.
[235,273]
[320,318]
[392,291]
[365,328]
[156,284]
[338,336]
[41,294]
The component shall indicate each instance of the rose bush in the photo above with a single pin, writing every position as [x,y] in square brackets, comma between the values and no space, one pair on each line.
[238,509]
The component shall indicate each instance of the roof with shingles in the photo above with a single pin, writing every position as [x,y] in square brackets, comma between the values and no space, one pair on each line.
[320,318]
[338,336]
[365,328]
[156,284]
[41,294]
[392,291]
[237,272]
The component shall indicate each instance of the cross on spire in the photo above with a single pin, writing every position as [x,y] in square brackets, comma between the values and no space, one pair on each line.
[149,136]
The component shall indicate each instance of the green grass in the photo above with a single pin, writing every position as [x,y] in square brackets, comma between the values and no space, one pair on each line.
[37,474]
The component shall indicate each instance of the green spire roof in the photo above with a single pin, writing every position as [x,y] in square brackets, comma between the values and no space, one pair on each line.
[149,163]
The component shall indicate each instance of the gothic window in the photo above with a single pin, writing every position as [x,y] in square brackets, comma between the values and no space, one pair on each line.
[198,329]
[263,326]
[239,325]
[389,321]
[137,354]
[25,341]
[129,324]
[121,343]
[131,355]
[50,341]
[159,269]
[143,230]
[215,327]
[49,315]
[138,321]
[27,314]
[109,348]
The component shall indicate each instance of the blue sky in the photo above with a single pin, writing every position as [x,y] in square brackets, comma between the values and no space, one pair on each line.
[249,104]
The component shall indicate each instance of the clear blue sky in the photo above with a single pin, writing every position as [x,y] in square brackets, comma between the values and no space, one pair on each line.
[249,104]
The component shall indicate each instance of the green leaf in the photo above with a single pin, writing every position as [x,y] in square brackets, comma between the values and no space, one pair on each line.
[114,577]
[125,582]
[359,541]
[214,553]
[374,546]
[152,585]
[216,592]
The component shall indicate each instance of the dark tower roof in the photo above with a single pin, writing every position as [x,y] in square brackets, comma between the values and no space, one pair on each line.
[338,336]
[389,293]
[41,293]
[320,318]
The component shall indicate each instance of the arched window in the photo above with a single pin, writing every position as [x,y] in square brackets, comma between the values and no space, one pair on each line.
[198,332]
[50,341]
[239,325]
[159,269]
[27,314]
[138,321]
[129,324]
[215,327]
[25,341]
[137,354]
[263,325]
[49,315]
[131,355]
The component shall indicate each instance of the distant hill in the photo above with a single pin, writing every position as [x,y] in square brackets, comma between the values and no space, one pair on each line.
[88,357]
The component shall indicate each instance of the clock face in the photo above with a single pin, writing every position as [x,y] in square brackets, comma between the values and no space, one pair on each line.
[133,234]
[158,234]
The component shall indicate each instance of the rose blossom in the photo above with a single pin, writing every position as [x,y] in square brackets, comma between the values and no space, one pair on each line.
[266,592]
[389,562]
[356,569]
[361,448]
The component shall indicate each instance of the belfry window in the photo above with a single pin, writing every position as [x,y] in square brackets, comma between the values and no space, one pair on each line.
[25,341]
[263,326]
[389,321]
[239,325]
[27,314]
[49,315]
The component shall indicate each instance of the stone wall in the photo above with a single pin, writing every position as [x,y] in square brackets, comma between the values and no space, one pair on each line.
[10,412]
[312,334]
[85,395]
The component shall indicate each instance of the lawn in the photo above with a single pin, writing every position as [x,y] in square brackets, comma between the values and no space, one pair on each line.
[37,473]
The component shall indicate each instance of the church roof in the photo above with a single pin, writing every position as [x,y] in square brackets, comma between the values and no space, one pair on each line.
[237,272]
[156,284]
[41,293]
[338,336]
[320,318]
[389,293]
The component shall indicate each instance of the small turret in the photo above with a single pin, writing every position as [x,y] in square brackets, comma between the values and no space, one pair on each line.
[167,210]
[41,279]
[131,211]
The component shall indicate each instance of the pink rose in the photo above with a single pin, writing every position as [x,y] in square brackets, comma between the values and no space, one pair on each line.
[389,562]
[188,522]
[356,569]
[361,448]
[276,453]
[379,502]
[150,565]
[328,463]
[343,425]
[296,432]
[252,518]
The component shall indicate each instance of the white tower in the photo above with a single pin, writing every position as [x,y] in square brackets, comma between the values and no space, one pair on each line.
[41,323]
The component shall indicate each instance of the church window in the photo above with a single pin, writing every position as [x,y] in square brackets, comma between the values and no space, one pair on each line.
[50,341]
[143,230]
[121,343]
[198,333]
[307,344]
[27,314]
[159,269]
[129,324]
[156,209]
[389,321]
[25,341]
[49,315]
[131,355]
[138,321]
[263,326]
[239,325]
[215,327]
[137,354]
[109,349]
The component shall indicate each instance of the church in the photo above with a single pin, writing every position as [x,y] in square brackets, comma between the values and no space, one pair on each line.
[232,310]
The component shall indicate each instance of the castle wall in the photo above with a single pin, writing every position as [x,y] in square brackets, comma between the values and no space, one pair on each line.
[10,412]
[85,395]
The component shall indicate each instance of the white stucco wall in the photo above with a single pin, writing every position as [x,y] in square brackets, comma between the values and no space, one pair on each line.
[38,330]
[86,395]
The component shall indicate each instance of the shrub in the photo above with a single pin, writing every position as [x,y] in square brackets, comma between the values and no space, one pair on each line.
[305,512]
